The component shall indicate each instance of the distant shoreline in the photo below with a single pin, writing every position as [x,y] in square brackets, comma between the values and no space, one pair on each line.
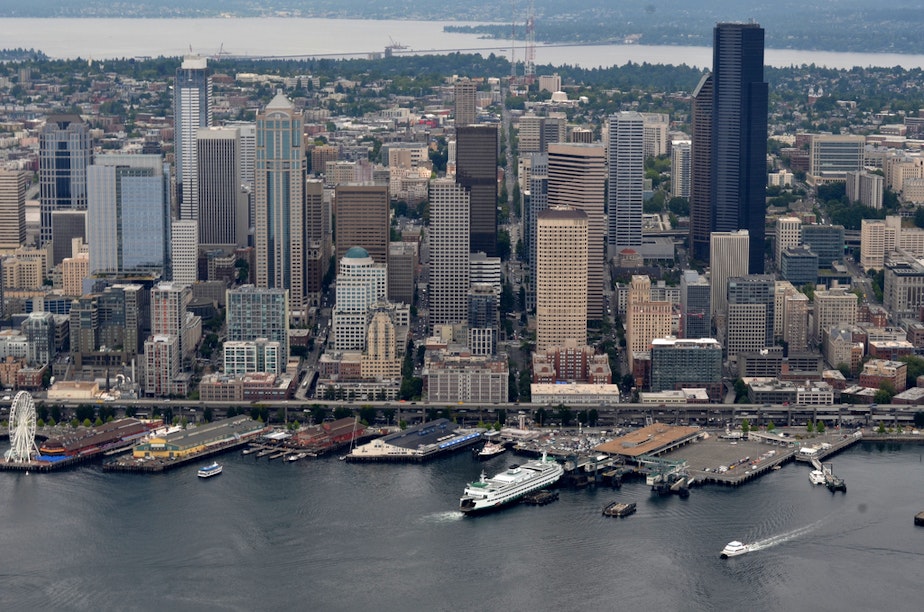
[103,38]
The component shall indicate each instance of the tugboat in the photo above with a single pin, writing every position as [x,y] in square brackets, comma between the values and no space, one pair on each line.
[490,450]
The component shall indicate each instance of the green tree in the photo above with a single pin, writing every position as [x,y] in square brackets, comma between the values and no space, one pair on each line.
[820,427]
[745,426]
[885,393]
[771,425]
[810,427]
[915,367]
[881,429]
[741,391]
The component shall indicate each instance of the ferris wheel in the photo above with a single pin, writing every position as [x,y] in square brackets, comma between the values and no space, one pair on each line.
[22,429]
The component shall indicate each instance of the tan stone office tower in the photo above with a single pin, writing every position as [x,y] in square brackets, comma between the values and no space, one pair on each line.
[561,277]
[577,178]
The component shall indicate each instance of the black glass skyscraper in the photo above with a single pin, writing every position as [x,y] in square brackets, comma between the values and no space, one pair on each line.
[728,167]
[476,170]
[739,134]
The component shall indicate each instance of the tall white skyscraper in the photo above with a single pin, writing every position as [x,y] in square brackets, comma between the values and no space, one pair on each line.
[279,183]
[449,252]
[728,257]
[360,284]
[184,250]
[192,109]
[627,179]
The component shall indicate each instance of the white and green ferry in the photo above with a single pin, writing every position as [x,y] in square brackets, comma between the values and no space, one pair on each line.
[510,485]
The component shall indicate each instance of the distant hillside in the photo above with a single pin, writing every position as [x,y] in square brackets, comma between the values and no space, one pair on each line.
[833,25]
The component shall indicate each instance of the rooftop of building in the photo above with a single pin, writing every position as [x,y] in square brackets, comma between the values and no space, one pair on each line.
[648,440]
[415,436]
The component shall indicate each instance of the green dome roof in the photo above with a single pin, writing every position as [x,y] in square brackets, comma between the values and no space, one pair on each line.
[356,253]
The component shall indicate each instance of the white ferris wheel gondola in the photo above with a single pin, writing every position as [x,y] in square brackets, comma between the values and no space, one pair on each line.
[22,429]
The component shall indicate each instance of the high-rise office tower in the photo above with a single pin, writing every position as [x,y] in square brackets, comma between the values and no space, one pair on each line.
[538,199]
[627,179]
[730,142]
[535,201]
[680,169]
[728,257]
[751,304]
[128,218]
[184,251]
[222,204]
[449,252]
[254,313]
[12,209]
[577,178]
[464,90]
[529,136]
[361,282]
[317,241]
[739,134]
[476,171]
[695,296]
[363,220]
[701,169]
[64,156]
[561,277]
[279,183]
[192,109]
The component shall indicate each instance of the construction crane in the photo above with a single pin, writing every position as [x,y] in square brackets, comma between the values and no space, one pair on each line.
[394,46]
[529,70]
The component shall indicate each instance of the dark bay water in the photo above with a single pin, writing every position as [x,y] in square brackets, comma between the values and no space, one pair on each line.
[326,535]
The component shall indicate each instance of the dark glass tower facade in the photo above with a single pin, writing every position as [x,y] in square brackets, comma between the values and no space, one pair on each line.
[729,152]
[476,171]
[739,134]
[64,156]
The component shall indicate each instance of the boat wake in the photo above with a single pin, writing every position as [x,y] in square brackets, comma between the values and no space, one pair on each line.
[442,517]
[784,537]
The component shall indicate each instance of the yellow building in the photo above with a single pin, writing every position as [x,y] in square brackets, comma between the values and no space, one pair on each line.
[195,440]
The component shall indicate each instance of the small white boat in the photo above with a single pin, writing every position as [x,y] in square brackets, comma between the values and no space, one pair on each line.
[210,470]
[733,549]
[817,477]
